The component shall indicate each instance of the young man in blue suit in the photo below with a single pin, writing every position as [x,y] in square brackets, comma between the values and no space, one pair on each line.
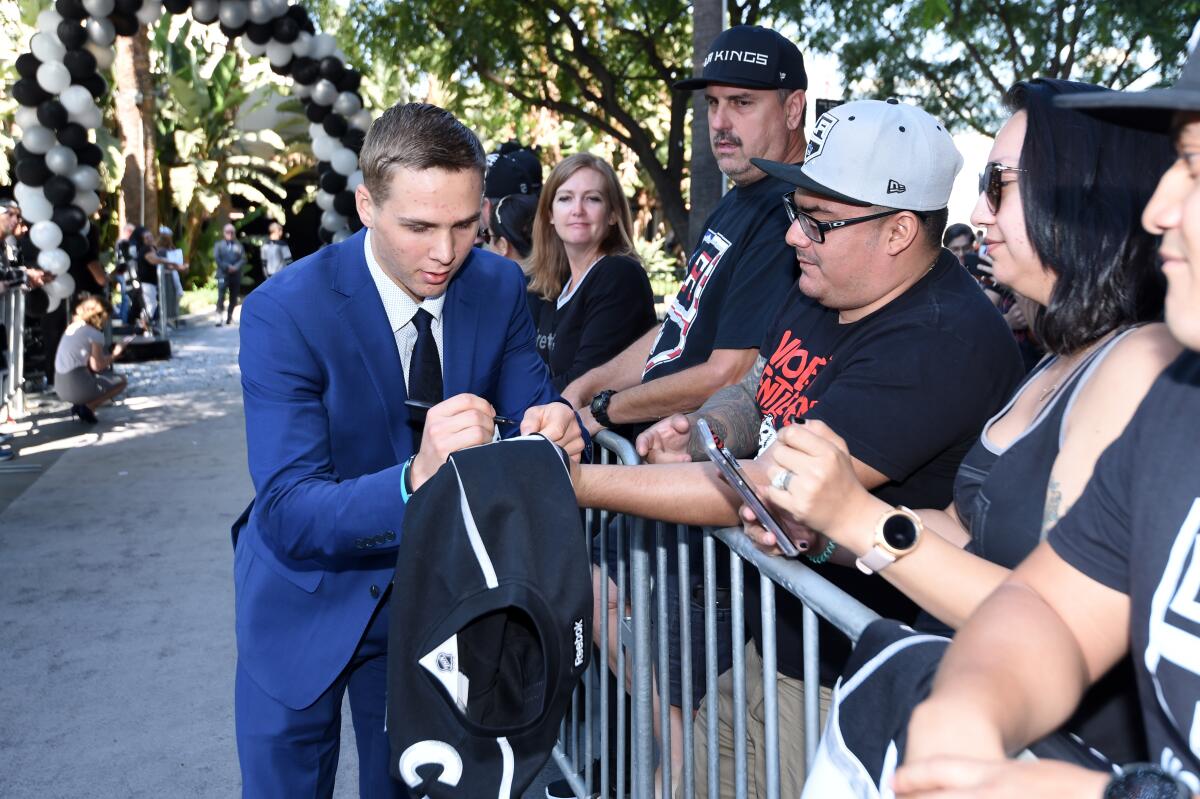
[331,350]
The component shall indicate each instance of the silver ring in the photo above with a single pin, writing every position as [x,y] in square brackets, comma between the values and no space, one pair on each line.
[782,480]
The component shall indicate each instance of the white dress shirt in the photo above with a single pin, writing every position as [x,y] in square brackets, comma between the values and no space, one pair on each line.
[401,309]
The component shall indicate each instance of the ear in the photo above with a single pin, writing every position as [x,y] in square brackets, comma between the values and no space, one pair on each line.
[793,109]
[365,205]
[903,232]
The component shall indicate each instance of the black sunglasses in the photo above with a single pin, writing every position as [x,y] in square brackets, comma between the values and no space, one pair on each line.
[815,229]
[990,184]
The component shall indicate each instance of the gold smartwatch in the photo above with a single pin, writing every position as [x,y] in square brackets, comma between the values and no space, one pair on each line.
[896,534]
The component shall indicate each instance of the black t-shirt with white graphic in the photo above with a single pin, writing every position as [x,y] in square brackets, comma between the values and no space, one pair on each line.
[1136,529]
[735,281]
[609,310]
[908,387]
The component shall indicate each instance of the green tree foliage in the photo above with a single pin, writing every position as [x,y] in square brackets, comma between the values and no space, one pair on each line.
[957,57]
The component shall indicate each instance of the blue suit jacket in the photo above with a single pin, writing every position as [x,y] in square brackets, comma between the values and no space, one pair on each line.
[328,432]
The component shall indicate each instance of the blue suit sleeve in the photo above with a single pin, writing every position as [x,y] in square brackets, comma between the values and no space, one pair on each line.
[303,509]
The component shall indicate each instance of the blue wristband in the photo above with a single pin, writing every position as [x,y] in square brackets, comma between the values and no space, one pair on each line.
[406,490]
[825,555]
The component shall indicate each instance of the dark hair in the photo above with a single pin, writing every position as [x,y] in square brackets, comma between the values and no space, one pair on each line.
[933,223]
[511,217]
[955,231]
[1084,185]
[417,136]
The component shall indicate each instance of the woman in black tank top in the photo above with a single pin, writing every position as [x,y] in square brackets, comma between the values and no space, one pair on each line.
[1058,237]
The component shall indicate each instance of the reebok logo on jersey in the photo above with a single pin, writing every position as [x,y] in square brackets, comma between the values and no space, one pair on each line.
[745,56]
[578,643]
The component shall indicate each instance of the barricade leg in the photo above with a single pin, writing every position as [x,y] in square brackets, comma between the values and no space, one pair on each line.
[687,779]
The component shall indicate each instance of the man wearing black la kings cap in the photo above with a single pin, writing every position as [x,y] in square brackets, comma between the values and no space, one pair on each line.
[885,339]
[1119,573]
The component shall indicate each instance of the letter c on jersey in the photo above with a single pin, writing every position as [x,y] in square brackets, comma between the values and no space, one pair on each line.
[424,753]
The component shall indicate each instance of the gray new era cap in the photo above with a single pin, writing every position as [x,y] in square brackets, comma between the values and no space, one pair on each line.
[876,152]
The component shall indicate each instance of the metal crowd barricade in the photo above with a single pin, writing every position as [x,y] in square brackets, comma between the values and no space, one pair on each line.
[632,748]
[12,313]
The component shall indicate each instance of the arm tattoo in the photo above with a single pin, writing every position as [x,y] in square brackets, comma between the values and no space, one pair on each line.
[1053,507]
[732,413]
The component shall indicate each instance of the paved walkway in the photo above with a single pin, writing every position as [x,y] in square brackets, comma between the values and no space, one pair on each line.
[116,596]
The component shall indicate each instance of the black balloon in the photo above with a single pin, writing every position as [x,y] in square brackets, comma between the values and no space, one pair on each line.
[325,235]
[331,68]
[27,65]
[316,112]
[20,153]
[332,182]
[350,81]
[335,125]
[300,14]
[322,168]
[177,6]
[258,32]
[95,84]
[90,155]
[282,69]
[305,70]
[353,139]
[70,218]
[73,135]
[285,29]
[81,64]
[74,244]
[72,34]
[27,92]
[59,190]
[52,114]
[233,33]
[71,9]
[32,170]
[129,7]
[343,203]
[124,24]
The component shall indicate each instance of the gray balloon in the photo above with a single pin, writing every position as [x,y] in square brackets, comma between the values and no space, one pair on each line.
[205,11]
[233,13]
[101,32]
[324,92]
[61,160]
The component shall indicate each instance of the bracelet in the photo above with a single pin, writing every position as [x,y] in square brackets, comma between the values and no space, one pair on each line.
[406,489]
[825,555]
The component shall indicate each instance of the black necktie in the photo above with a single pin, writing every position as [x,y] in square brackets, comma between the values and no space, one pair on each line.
[425,368]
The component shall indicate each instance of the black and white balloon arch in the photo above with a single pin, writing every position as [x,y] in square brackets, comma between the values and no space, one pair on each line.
[59,84]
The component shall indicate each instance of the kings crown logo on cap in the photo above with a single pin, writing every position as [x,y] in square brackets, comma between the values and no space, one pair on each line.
[820,135]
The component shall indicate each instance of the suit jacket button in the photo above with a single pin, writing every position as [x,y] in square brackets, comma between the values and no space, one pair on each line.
[358,542]
[375,592]
[389,536]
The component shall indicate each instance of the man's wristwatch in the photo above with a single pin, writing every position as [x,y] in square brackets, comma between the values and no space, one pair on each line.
[896,534]
[1145,781]
[599,406]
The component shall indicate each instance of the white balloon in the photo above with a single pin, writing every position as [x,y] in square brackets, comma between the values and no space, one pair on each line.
[316,130]
[300,90]
[75,99]
[252,48]
[85,178]
[149,13]
[47,47]
[55,301]
[323,44]
[354,180]
[332,220]
[61,159]
[54,77]
[101,31]
[104,55]
[324,200]
[347,104]
[324,147]
[48,20]
[205,11]
[54,261]
[89,117]
[324,92]
[45,235]
[34,205]
[361,121]
[60,288]
[99,8]
[87,201]
[260,11]
[38,140]
[26,117]
[344,161]
[341,236]
[303,44]
[233,13]
[278,53]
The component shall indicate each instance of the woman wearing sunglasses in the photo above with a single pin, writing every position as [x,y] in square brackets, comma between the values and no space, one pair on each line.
[595,297]
[1061,198]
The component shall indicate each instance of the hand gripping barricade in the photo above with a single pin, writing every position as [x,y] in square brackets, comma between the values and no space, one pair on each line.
[640,569]
[495,631]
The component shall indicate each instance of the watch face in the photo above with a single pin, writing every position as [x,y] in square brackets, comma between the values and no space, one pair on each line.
[899,532]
